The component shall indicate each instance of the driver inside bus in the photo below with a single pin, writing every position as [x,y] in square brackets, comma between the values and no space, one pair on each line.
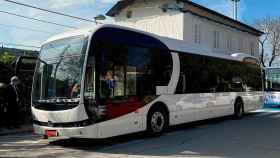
[110,82]
[75,90]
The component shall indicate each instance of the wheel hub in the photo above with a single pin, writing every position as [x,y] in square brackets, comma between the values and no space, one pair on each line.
[157,122]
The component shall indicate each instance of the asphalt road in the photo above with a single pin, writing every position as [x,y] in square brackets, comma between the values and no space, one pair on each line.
[255,136]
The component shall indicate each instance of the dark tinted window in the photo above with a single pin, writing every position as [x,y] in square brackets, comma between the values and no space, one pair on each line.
[132,70]
[197,75]
[253,78]
[201,74]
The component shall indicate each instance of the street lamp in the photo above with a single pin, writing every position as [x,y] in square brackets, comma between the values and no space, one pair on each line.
[99,17]
[2,47]
[235,10]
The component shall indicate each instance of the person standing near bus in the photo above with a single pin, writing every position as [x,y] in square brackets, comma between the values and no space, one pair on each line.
[75,92]
[13,99]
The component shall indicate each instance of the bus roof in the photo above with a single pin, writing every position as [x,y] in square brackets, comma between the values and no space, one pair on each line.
[173,44]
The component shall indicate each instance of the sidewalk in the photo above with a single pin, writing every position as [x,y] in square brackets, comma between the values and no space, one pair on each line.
[21,130]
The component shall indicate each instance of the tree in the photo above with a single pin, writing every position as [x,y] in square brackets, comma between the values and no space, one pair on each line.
[270,41]
[7,58]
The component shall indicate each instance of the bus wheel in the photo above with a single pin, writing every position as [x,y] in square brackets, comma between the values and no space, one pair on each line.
[157,121]
[238,109]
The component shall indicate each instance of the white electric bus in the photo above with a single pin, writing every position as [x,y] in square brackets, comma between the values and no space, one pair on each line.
[112,80]
[272,87]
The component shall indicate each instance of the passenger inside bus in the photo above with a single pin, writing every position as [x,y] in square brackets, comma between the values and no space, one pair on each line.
[110,81]
[109,84]
[222,85]
[75,90]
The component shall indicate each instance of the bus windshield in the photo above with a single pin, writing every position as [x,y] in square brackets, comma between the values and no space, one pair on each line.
[272,79]
[59,69]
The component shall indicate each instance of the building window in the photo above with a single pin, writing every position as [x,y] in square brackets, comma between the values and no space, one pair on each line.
[129,14]
[229,43]
[216,39]
[252,48]
[197,33]
[240,44]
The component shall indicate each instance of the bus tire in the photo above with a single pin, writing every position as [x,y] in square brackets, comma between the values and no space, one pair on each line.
[157,121]
[238,109]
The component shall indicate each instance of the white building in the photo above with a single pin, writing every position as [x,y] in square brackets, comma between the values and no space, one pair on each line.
[201,28]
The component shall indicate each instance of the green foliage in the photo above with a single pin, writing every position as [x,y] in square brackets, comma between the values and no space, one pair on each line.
[7,58]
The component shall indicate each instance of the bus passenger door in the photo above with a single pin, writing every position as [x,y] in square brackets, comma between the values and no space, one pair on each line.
[196,103]
[223,104]
[206,91]
[118,90]
[206,106]
[223,96]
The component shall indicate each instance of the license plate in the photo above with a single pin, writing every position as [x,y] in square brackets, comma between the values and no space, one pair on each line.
[51,133]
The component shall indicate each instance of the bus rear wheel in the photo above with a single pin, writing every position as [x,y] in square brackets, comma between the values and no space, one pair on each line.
[238,109]
[157,121]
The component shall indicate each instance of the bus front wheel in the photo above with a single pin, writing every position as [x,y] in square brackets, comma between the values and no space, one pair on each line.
[238,109]
[157,121]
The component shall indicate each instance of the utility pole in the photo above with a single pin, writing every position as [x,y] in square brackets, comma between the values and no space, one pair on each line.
[235,8]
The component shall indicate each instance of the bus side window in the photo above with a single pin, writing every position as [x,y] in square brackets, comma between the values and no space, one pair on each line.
[181,86]
[237,84]
[253,78]
[194,84]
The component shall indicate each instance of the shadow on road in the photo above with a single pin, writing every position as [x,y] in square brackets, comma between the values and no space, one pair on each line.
[87,144]
[254,136]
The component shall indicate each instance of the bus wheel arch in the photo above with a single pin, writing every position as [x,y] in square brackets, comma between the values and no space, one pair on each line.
[159,113]
[239,108]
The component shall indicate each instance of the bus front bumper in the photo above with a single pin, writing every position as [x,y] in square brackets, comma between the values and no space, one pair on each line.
[71,132]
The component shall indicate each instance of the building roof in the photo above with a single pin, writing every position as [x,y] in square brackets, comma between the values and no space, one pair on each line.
[225,20]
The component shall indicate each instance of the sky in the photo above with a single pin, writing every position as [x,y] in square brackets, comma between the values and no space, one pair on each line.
[22,31]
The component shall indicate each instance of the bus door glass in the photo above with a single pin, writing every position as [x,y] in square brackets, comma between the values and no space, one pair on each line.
[127,77]
[122,70]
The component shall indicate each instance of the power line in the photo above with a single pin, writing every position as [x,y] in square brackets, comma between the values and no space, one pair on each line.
[20,45]
[25,28]
[50,11]
[43,21]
